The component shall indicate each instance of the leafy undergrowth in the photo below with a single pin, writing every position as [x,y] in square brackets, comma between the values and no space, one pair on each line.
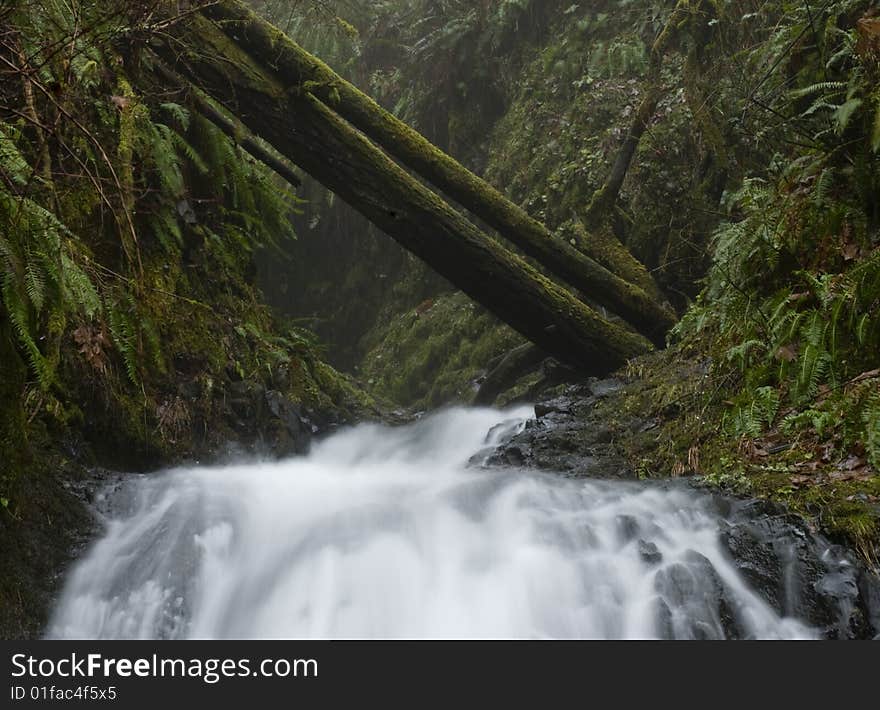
[671,419]
[786,402]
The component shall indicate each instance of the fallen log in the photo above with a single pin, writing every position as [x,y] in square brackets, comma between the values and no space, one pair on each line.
[313,137]
[299,70]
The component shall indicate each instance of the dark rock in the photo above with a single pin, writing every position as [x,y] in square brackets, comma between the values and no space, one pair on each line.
[663,615]
[869,593]
[694,588]
[627,527]
[604,388]
[190,390]
[566,440]
[649,553]
[507,456]
[800,574]
[289,432]
[542,410]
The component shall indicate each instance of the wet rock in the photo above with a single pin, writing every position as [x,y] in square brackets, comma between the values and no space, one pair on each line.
[649,553]
[562,439]
[800,574]
[561,405]
[663,619]
[507,456]
[604,388]
[694,589]
[627,527]
[869,593]
[289,432]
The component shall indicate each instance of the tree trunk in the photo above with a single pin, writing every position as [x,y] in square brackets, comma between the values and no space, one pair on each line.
[605,198]
[301,71]
[304,130]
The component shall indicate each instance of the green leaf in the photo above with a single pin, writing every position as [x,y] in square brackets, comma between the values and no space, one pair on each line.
[844,113]
[875,133]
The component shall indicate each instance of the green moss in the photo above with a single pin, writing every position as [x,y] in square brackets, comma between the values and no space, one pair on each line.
[432,354]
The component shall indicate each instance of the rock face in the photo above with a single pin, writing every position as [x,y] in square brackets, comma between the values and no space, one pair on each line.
[566,439]
[266,419]
[801,574]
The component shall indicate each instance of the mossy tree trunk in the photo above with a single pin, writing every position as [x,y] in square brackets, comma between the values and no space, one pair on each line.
[300,71]
[307,132]
[605,198]
[602,244]
[234,130]
[513,365]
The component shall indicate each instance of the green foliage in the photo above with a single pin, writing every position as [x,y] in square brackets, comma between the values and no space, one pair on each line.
[93,242]
[792,301]
[39,273]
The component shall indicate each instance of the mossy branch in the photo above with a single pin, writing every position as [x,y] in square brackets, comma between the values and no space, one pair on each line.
[231,128]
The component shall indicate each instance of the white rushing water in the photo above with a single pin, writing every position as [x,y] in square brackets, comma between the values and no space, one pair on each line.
[387,533]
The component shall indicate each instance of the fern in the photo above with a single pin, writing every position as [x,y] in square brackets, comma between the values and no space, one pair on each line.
[122,323]
[180,114]
[871,422]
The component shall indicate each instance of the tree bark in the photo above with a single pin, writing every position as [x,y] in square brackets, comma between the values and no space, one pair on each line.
[303,129]
[605,198]
[301,71]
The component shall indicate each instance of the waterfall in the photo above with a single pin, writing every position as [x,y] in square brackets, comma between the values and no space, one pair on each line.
[387,532]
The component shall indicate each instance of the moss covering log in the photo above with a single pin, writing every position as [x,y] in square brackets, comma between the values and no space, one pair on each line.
[299,70]
[513,365]
[307,132]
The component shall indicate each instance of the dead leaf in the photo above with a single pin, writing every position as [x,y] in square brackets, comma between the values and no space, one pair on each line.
[787,352]
[853,462]
[93,344]
[121,102]
[868,45]
[861,474]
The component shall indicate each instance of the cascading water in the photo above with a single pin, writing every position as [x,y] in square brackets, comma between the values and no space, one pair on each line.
[389,533]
